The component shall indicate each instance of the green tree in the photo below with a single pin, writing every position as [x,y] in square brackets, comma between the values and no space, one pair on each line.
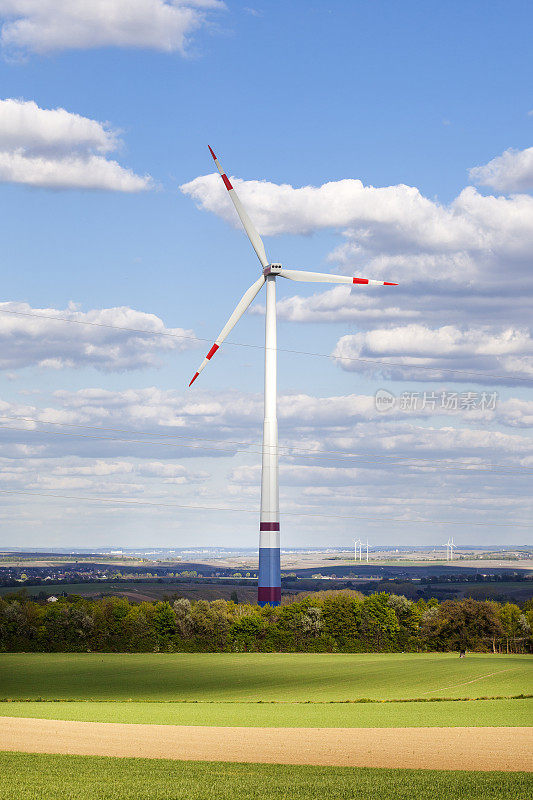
[379,623]
[467,625]
[163,620]
[341,615]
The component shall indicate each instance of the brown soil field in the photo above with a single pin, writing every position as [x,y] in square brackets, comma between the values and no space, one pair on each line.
[486,749]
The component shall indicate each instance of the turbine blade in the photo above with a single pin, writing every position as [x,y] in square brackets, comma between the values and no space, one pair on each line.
[257,242]
[241,307]
[324,277]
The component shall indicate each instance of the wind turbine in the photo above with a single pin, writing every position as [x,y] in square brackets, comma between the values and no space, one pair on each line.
[356,542]
[452,546]
[269,583]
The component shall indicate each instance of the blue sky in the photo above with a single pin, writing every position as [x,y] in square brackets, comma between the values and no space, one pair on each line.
[112,205]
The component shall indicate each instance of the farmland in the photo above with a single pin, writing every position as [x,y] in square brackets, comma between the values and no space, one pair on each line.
[479,713]
[367,693]
[256,677]
[141,590]
[29,776]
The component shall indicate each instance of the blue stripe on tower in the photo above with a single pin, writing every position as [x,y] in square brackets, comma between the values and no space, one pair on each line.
[269,583]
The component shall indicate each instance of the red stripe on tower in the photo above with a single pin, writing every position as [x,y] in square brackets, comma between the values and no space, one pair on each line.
[227,184]
[212,352]
[268,594]
[360,280]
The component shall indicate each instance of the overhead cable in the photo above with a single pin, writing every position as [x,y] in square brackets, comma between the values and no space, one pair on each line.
[374,361]
[324,455]
[255,511]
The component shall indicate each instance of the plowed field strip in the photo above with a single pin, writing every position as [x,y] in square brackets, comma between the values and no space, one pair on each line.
[486,749]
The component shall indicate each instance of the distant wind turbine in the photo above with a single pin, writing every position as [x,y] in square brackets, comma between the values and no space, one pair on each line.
[452,547]
[269,584]
[356,542]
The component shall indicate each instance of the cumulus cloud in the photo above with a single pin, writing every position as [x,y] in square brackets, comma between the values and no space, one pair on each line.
[510,172]
[473,247]
[28,340]
[464,265]
[57,149]
[508,353]
[405,220]
[44,26]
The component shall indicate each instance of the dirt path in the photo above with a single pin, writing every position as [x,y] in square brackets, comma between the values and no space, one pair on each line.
[509,749]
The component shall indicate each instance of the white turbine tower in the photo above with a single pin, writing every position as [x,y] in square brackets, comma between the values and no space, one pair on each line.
[447,546]
[360,543]
[269,584]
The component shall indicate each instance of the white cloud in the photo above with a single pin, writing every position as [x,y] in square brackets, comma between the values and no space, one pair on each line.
[339,305]
[43,26]
[225,424]
[58,149]
[283,208]
[28,340]
[473,255]
[55,131]
[510,172]
[404,220]
[116,477]
[386,477]
[508,352]
[465,265]
[516,413]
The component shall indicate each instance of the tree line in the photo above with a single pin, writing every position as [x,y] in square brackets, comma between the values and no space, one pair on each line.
[330,621]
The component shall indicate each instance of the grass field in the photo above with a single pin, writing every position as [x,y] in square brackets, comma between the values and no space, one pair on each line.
[32,777]
[482,713]
[261,676]
[144,590]
[515,591]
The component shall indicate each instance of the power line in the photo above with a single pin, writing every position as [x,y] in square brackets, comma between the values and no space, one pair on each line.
[373,361]
[324,455]
[255,511]
[336,453]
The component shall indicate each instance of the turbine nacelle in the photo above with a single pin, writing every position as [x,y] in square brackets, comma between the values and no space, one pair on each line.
[272,269]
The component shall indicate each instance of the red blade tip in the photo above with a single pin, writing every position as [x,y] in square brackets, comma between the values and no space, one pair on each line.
[214,156]
[194,378]
[386,283]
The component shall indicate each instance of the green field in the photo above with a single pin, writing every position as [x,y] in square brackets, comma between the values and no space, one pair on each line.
[478,713]
[33,777]
[138,591]
[90,589]
[261,676]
